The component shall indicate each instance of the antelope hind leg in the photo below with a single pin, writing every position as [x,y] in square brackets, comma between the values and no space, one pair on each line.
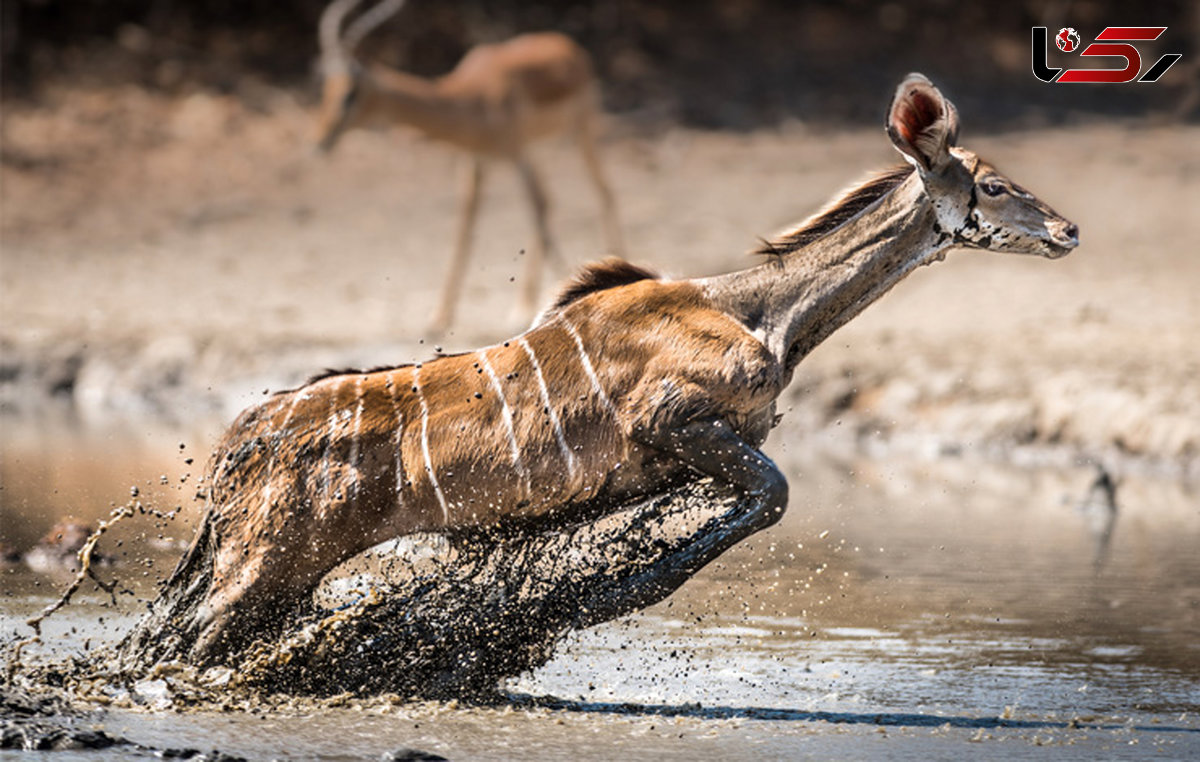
[544,249]
[457,272]
[608,204]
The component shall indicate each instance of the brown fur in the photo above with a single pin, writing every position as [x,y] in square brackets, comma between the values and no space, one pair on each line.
[331,372]
[314,475]
[499,98]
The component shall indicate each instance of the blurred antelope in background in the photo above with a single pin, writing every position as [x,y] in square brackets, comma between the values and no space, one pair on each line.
[499,99]
[627,385]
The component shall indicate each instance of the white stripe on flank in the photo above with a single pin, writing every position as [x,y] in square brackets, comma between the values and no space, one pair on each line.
[399,434]
[558,432]
[758,334]
[437,488]
[506,414]
[333,416]
[358,392]
[282,432]
[587,366]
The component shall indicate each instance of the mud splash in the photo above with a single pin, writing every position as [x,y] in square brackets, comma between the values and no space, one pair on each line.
[486,607]
[951,604]
[477,608]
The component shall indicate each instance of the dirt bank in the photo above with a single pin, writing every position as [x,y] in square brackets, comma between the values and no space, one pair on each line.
[172,258]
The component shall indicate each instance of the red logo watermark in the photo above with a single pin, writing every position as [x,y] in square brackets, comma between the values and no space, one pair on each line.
[1114,41]
[1067,39]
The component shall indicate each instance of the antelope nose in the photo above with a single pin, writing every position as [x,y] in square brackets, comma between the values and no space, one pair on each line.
[1065,234]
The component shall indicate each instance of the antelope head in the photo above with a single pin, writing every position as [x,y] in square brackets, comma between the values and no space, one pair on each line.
[342,78]
[975,204]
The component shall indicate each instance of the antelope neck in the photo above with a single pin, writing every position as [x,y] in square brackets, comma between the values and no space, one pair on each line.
[795,301]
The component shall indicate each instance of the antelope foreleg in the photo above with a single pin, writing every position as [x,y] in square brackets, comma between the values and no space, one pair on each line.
[673,536]
[711,446]
[666,541]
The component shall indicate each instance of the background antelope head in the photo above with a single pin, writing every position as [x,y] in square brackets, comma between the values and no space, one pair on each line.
[342,78]
[975,204]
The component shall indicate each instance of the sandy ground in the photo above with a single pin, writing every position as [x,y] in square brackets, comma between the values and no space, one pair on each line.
[170,259]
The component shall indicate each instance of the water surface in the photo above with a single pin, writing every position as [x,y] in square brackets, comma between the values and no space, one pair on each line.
[900,608]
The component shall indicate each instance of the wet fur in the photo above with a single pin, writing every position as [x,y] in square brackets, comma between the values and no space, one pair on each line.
[312,476]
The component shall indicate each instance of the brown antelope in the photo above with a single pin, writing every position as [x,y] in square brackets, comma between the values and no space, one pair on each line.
[626,385]
[498,100]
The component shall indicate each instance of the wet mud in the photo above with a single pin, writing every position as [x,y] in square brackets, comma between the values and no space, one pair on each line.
[488,608]
[46,722]
[454,616]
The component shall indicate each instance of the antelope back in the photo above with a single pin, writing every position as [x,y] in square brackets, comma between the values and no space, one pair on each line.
[513,429]
[536,424]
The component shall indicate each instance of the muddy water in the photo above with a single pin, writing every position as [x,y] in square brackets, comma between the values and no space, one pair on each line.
[908,609]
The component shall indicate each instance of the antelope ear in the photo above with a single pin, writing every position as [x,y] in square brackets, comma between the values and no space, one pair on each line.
[922,123]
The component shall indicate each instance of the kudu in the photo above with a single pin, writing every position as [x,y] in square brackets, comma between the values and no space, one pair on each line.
[628,384]
[499,99]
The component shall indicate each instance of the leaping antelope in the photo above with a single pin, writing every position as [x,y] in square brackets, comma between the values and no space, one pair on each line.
[628,384]
[499,99]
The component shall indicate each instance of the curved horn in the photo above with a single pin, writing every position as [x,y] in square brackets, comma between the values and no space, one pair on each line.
[366,23]
[329,29]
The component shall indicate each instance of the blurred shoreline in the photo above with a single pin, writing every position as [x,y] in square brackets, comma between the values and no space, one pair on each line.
[166,261]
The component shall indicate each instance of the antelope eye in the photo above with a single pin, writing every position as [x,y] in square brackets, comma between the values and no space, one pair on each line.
[991,187]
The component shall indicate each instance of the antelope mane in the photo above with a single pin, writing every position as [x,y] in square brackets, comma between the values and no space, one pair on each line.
[838,212]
